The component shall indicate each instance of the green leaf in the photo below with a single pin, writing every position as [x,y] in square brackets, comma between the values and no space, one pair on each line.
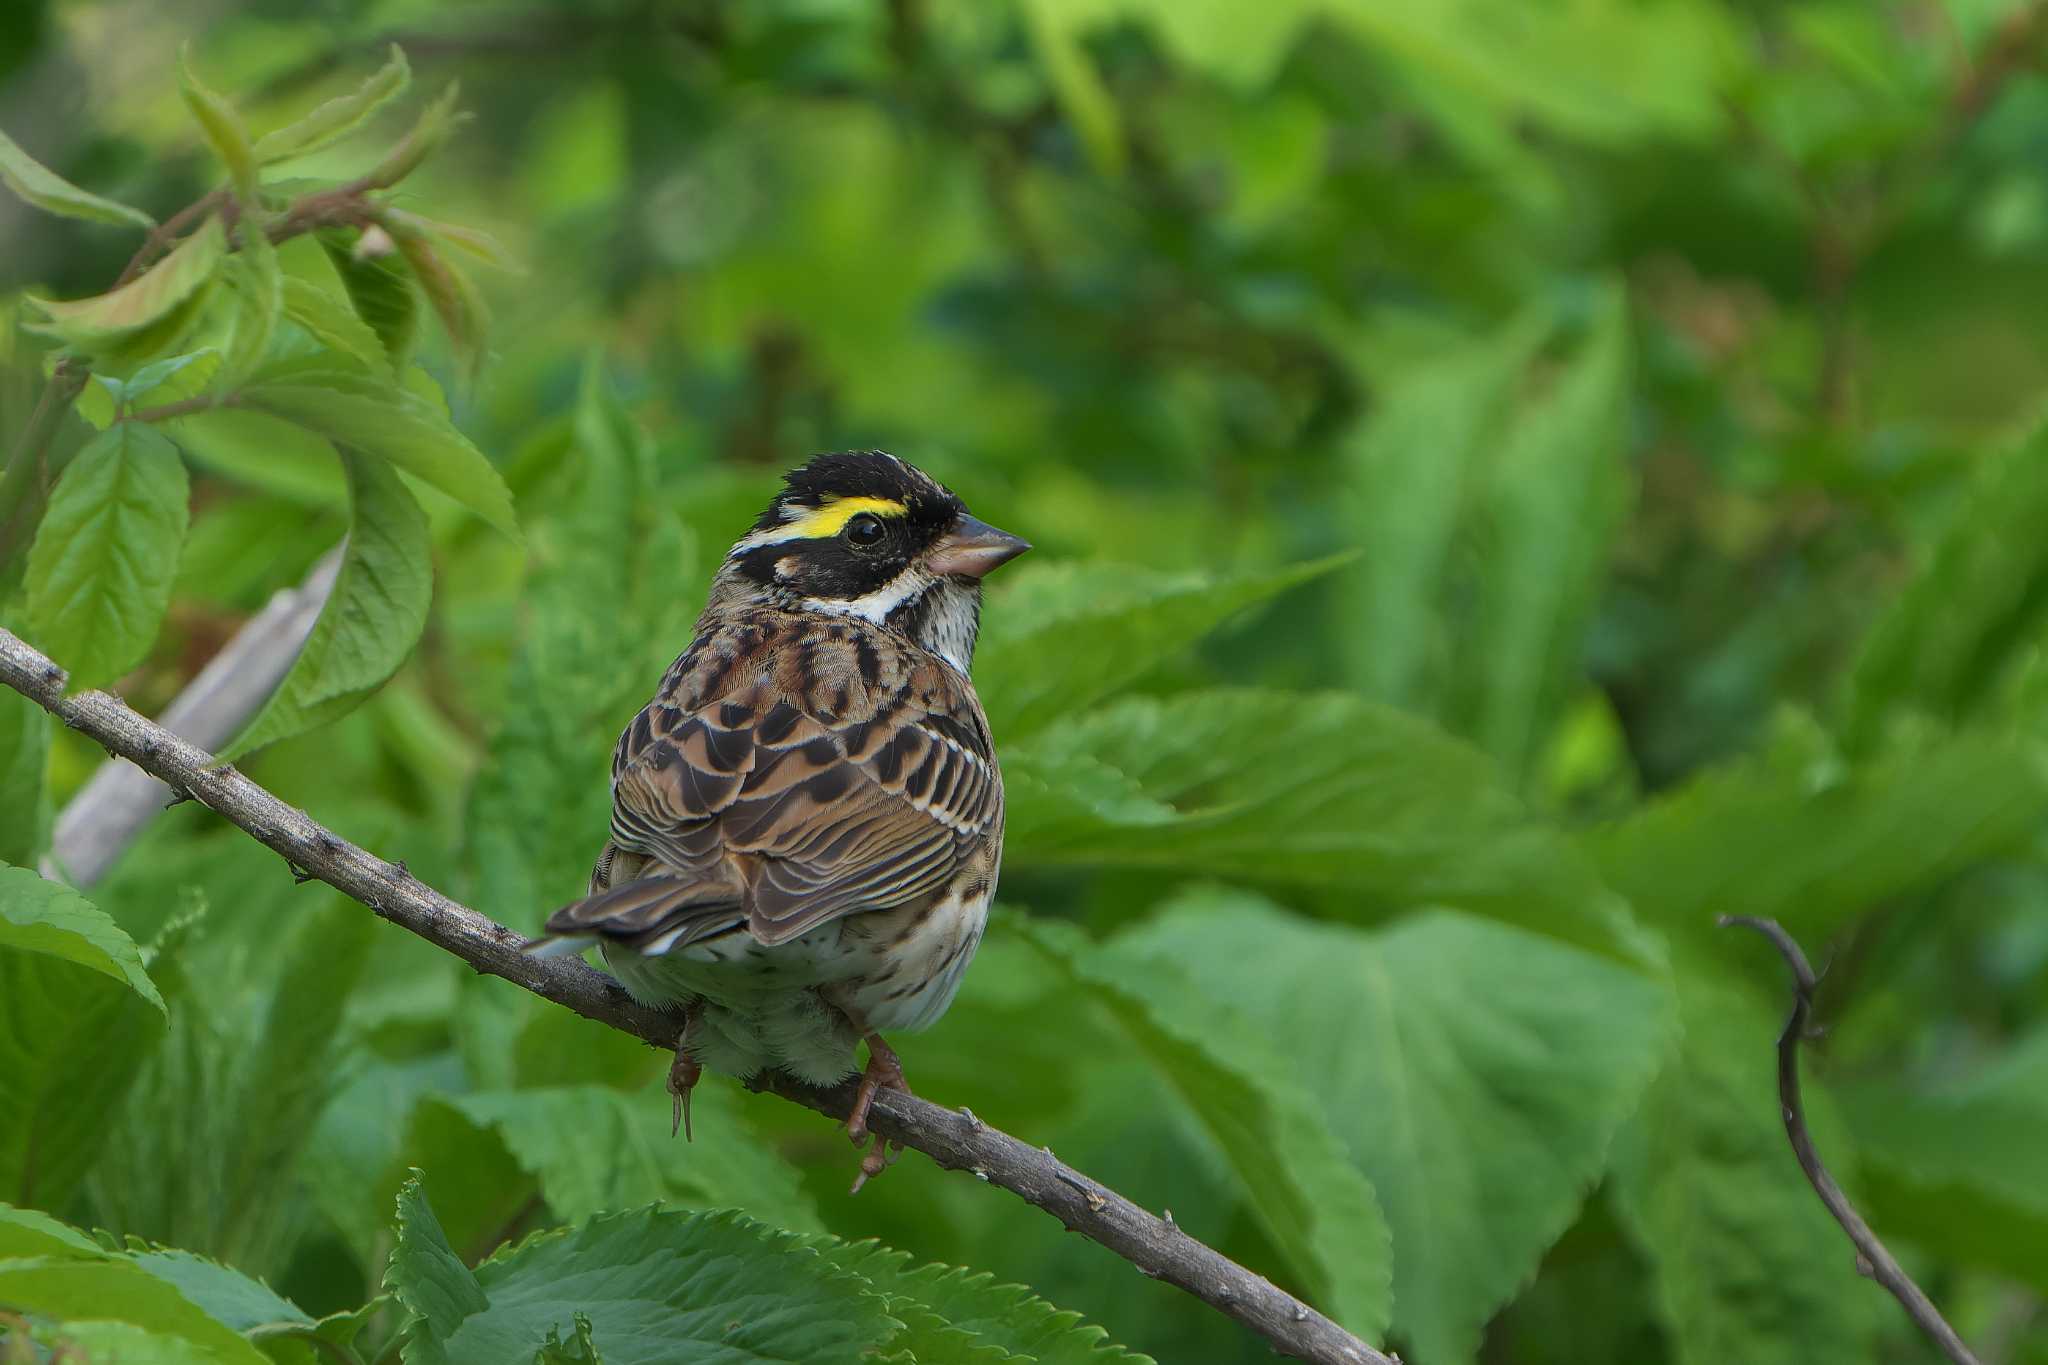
[1059,637]
[437,122]
[545,787]
[177,376]
[334,120]
[25,1232]
[1958,1166]
[258,283]
[1293,1175]
[1308,789]
[263,452]
[115,1289]
[222,126]
[101,568]
[453,297]
[1409,473]
[595,1148]
[121,1343]
[1822,842]
[41,916]
[1475,1073]
[390,424]
[226,1294]
[37,184]
[380,289]
[656,1287]
[1748,1264]
[425,1275]
[481,246]
[372,618]
[578,1350]
[1006,1320]
[62,1084]
[334,322]
[1978,603]
[24,794]
[157,294]
[1554,500]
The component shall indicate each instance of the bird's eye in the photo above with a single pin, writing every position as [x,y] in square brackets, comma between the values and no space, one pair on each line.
[864,530]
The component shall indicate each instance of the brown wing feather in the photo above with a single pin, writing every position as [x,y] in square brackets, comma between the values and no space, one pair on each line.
[843,771]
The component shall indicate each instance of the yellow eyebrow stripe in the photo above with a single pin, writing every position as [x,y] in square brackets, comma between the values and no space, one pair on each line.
[830,519]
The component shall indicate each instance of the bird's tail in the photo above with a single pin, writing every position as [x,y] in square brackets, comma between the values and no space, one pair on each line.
[651,915]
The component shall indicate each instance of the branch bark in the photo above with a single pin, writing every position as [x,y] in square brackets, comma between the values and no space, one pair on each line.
[96,826]
[1871,1257]
[955,1139]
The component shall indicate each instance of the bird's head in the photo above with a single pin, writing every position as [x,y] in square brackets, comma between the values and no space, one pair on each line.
[862,533]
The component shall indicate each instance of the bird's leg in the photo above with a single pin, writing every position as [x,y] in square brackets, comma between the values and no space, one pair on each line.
[884,1071]
[684,1071]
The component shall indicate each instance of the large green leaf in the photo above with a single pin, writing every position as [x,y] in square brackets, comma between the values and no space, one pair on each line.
[1291,1172]
[231,1098]
[1958,1166]
[330,122]
[655,1286]
[1801,837]
[1978,602]
[1313,789]
[24,795]
[101,568]
[123,1343]
[389,423]
[1475,1073]
[62,1084]
[1748,1264]
[46,917]
[539,809]
[595,1149]
[117,1290]
[1554,498]
[1407,486]
[25,1232]
[105,319]
[373,616]
[1008,1320]
[1060,637]
[39,185]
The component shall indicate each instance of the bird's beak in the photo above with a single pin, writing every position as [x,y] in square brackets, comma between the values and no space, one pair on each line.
[972,547]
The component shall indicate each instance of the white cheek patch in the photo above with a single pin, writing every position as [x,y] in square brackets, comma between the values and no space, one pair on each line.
[874,606]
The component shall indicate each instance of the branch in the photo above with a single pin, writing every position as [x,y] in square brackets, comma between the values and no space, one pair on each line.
[96,826]
[1871,1257]
[956,1140]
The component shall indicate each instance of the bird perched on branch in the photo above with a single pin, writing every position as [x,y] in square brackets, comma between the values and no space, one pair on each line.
[807,820]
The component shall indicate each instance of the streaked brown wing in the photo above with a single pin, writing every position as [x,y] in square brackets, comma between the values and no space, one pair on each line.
[846,772]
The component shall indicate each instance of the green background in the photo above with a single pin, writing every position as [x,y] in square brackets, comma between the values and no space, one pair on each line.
[1510,483]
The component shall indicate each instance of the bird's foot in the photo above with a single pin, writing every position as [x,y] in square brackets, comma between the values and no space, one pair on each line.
[879,1157]
[683,1074]
[884,1071]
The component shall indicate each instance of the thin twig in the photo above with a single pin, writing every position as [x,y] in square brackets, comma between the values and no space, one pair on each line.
[1871,1257]
[957,1141]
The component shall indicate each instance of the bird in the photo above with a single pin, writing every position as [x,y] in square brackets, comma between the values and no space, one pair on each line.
[807,818]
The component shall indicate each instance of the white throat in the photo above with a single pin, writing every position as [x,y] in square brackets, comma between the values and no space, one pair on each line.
[945,619]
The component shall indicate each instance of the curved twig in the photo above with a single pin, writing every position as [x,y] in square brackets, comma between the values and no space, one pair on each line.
[1871,1257]
[955,1139]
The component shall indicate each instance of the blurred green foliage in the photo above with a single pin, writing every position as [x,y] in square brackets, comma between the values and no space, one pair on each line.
[1511,482]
